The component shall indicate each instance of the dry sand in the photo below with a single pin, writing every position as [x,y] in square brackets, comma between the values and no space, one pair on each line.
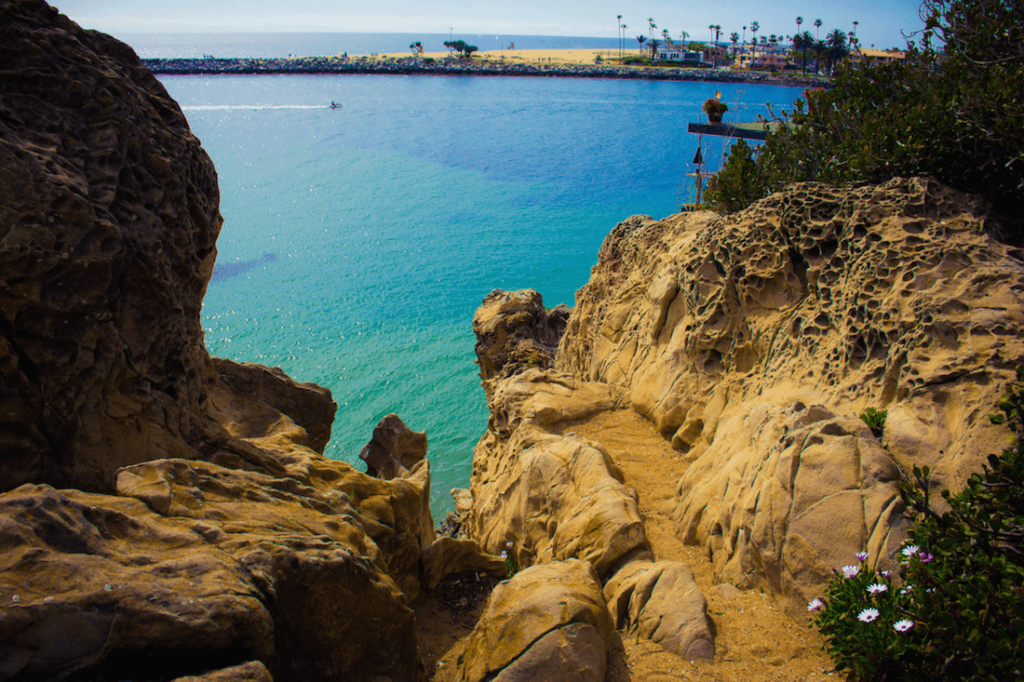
[586,57]
[755,639]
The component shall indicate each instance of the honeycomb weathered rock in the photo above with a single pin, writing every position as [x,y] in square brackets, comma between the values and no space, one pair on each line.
[727,332]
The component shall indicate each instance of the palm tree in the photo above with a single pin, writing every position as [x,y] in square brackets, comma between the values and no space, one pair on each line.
[754,28]
[652,26]
[817,25]
[799,20]
[801,41]
[623,48]
[653,44]
[618,32]
[683,35]
[735,38]
[666,39]
[820,48]
[836,42]
[641,39]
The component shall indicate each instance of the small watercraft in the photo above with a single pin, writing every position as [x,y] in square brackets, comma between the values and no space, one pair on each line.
[335,105]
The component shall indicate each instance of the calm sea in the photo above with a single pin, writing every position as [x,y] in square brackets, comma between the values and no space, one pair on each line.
[167,45]
[358,242]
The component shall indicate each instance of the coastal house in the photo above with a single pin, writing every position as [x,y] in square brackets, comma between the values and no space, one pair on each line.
[761,61]
[681,56]
[870,55]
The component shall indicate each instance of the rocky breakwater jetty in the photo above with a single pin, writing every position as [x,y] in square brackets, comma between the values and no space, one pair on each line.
[466,67]
[754,341]
[165,514]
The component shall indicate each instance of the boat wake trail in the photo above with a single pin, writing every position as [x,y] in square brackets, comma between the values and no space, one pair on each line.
[249,107]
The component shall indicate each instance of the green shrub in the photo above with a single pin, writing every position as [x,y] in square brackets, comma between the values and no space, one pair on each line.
[875,419]
[739,183]
[957,611]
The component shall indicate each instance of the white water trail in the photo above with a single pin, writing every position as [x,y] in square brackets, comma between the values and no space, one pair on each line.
[249,107]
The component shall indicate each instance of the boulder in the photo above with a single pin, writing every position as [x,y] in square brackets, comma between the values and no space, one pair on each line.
[661,602]
[99,587]
[394,449]
[237,566]
[731,333]
[548,622]
[515,331]
[253,671]
[265,393]
[107,242]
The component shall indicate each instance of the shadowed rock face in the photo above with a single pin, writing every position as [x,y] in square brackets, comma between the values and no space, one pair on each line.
[108,222]
[230,547]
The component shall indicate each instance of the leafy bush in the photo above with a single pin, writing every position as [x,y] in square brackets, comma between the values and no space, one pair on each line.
[952,112]
[739,183]
[875,419]
[960,611]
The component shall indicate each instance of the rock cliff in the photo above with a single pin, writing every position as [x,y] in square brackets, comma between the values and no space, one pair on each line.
[754,341]
[166,514]
[107,241]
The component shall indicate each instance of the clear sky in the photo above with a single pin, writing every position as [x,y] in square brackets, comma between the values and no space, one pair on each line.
[880,21]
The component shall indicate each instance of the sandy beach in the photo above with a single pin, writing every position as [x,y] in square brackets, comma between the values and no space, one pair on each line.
[585,57]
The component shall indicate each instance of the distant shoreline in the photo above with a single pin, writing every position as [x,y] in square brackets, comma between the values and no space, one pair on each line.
[488,66]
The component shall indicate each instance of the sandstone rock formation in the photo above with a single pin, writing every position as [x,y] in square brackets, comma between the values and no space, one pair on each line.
[513,329]
[107,241]
[753,341]
[394,449]
[549,622]
[661,602]
[553,497]
[557,497]
[215,541]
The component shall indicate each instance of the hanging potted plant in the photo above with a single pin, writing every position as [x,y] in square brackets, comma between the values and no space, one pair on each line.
[714,108]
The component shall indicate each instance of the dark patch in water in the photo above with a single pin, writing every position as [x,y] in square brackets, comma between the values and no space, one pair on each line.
[223,271]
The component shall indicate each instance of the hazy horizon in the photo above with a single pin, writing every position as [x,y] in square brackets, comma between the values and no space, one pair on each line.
[880,24]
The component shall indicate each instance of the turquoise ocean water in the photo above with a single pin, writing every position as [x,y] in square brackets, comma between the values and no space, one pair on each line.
[358,242]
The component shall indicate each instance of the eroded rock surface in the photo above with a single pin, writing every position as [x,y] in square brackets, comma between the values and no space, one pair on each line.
[548,622]
[514,331]
[232,548]
[554,497]
[753,341]
[660,601]
[107,241]
[240,567]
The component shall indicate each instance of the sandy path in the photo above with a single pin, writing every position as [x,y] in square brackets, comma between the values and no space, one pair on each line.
[755,639]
